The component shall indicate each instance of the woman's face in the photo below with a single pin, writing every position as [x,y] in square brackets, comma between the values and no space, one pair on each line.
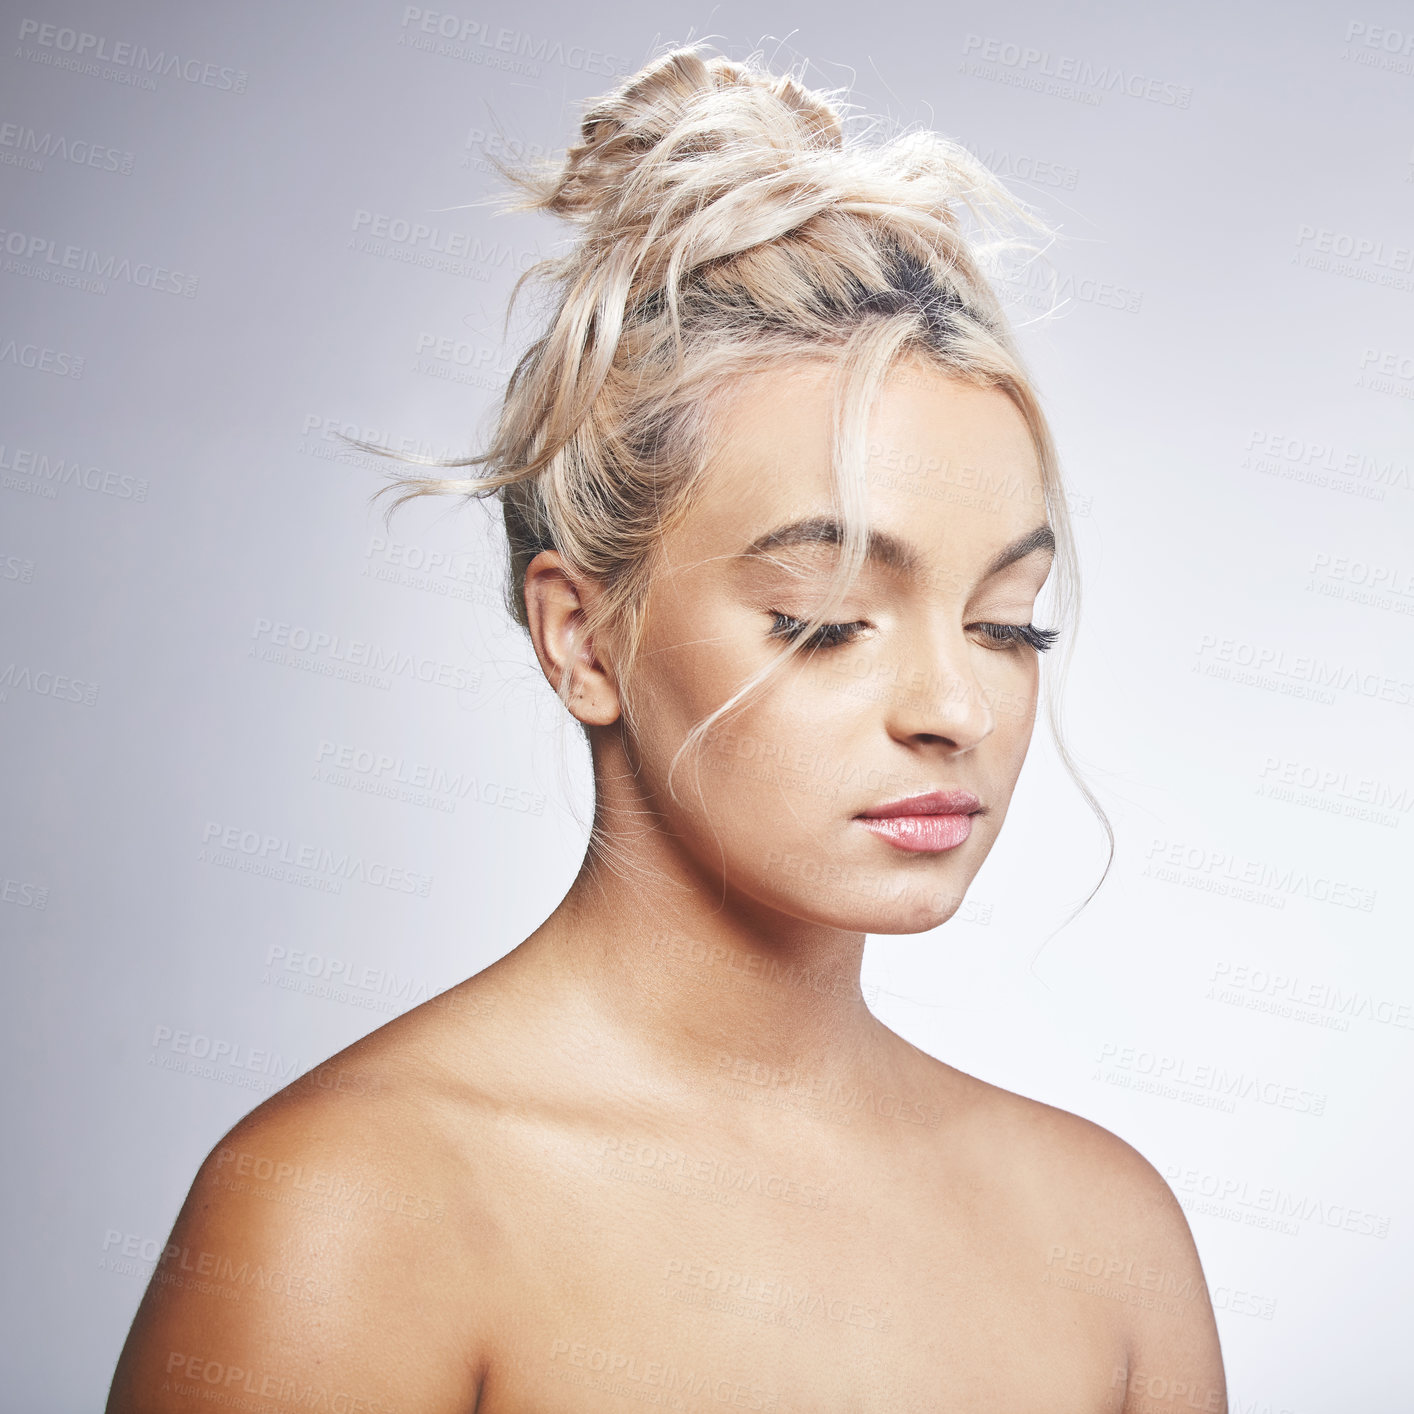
[915,696]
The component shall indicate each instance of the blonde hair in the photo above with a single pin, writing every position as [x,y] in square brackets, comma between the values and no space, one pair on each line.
[730,225]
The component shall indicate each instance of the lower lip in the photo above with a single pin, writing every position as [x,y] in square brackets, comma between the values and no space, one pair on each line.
[921,834]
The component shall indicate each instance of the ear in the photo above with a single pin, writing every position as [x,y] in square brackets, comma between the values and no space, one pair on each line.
[554,603]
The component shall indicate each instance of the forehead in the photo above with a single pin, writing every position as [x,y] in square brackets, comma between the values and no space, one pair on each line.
[951,467]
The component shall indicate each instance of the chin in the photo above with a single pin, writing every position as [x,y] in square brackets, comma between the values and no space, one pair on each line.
[922,920]
[913,908]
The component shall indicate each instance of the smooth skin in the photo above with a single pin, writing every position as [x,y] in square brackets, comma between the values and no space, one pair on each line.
[661,1152]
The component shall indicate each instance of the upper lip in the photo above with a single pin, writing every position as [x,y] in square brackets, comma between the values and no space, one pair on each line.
[935,802]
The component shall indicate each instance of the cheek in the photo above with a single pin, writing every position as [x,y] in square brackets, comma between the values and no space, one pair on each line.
[781,746]
[764,772]
[687,670]
[1010,685]
[1014,703]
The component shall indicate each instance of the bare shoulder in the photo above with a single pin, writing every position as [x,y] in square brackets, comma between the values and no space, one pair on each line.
[324,1252]
[1081,1163]
[1104,1224]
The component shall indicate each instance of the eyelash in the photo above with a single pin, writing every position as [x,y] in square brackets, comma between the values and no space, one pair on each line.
[833,635]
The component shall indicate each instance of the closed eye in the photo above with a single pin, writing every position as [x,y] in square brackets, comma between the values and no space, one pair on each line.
[826,636]
[1006,634]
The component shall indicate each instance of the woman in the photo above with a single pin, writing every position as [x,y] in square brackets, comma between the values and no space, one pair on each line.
[780,503]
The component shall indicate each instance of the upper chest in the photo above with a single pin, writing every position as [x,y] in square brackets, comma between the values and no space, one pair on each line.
[686,1275]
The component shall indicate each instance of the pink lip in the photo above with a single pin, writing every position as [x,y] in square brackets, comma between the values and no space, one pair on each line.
[924,823]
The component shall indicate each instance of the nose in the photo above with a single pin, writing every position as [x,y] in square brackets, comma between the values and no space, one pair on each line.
[937,696]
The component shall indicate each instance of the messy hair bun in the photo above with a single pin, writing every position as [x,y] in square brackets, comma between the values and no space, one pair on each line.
[727,222]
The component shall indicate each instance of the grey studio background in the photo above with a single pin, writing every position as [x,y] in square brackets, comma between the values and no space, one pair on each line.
[229,234]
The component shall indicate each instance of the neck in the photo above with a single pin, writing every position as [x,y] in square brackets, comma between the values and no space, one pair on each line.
[684,974]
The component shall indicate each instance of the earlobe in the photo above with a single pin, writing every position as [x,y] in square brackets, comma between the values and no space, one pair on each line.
[555,603]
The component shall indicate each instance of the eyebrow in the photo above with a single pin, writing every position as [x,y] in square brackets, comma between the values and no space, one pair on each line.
[886,549]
